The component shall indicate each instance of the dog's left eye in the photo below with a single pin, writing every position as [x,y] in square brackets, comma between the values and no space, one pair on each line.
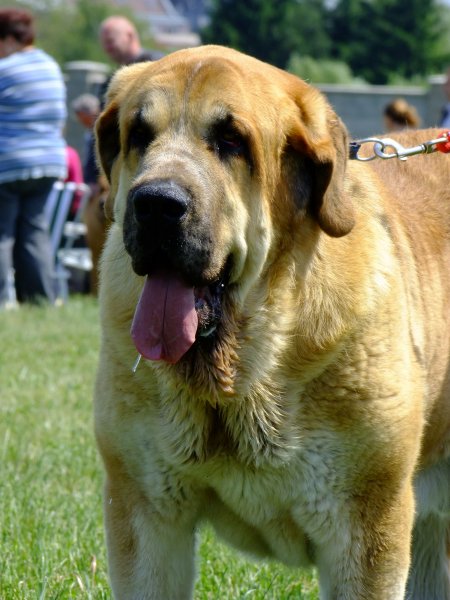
[230,142]
[227,142]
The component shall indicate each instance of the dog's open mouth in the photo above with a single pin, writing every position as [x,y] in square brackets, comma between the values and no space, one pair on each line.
[171,315]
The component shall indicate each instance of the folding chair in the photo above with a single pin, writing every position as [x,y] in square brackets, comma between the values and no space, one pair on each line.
[64,233]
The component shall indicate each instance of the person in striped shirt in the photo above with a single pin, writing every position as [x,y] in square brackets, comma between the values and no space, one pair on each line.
[32,156]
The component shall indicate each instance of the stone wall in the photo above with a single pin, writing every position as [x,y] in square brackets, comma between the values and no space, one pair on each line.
[361,107]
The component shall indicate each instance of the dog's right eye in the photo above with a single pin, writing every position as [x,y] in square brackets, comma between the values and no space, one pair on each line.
[140,137]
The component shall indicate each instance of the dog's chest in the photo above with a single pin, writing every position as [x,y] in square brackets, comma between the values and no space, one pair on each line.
[269,509]
[191,433]
[259,467]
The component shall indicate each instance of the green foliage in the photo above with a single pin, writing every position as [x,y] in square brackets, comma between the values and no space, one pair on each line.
[384,39]
[306,28]
[254,26]
[444,39]
[51,528]
[63,42]
[380,40]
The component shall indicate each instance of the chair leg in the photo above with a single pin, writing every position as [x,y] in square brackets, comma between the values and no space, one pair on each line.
[61,276]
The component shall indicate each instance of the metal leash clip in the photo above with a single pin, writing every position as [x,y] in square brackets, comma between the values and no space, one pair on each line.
[389,148]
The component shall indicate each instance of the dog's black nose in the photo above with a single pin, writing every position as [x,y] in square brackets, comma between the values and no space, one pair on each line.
[161,202]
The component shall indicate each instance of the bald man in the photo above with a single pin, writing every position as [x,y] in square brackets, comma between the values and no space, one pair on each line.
[120,40]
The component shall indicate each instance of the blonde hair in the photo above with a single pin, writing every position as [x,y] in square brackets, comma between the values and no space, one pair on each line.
[402,113]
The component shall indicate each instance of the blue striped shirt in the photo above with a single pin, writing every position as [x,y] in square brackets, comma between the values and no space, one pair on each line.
[32,117]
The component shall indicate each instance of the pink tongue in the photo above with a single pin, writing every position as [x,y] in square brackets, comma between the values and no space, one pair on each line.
[165,321]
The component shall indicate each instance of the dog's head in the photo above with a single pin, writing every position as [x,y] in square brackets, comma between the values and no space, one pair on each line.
[214,160]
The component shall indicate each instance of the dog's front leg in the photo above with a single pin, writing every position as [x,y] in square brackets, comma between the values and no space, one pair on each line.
[151,557]
[367,554]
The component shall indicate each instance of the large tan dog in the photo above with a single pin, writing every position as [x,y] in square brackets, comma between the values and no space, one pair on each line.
[292,309]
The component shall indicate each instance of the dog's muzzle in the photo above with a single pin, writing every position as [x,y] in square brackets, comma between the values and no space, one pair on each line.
[170,244]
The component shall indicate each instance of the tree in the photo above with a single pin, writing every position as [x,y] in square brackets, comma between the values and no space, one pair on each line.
[380,40]
[306,28]
[384,39]
[254,26]
[412,33]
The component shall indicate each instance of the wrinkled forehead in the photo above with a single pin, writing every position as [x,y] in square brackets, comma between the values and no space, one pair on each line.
[185,85]
[204,90]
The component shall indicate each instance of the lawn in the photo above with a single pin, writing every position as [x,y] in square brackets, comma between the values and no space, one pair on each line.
[51,533]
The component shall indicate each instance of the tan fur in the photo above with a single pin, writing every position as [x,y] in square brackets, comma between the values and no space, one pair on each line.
[96,230]
[317,424]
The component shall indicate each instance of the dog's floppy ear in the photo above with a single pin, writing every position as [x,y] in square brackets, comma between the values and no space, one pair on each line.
[320,137]
[108,148]
[107,127]
[107,138]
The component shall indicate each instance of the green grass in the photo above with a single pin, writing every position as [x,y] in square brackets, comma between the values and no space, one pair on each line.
[51,533]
